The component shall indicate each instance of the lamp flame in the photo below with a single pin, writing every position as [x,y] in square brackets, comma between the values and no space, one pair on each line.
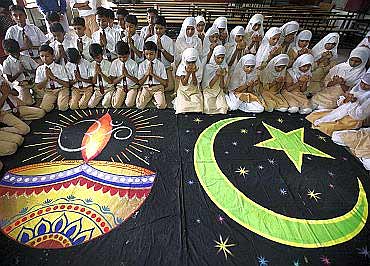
[97,137]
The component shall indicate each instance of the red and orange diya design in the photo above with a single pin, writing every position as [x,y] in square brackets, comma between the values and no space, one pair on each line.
[65,203]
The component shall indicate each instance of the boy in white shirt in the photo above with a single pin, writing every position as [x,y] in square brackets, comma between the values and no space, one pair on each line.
[20,70]
[52,79]
[123,72]
[121,14]
[103,88]
[62,41]
[81,41]
[148,31]
[86,10]
[135,42]
[105,36]
[28,36]
[80,77]
[152,79]
[52,17]
[165,52]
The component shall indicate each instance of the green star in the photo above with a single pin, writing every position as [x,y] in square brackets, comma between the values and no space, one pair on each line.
[292,143]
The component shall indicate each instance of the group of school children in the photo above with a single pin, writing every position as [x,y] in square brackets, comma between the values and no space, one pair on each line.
[211,72]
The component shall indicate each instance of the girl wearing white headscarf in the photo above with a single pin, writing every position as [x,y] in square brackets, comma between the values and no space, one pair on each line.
[243,87]
[288,34]
[235,48]
[200,26]
[214,82]
[300,46]
[341,78]
[358,141]
[221,24]
[272,80]
[269,47]
[254,33]
[211,40]
[187,39]
[189,96]
[296,83]
[354,109]
[365,42]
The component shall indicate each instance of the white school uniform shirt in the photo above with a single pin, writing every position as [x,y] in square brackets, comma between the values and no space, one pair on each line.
[86,41]
[85,72]
[12,65]
[138,43]
[132,69]
[85,13]
[58,71]
[112,38]
[105,68]
[6,107]
[36,36]
[67,43]
[158,69]
[167,44]
[144,31]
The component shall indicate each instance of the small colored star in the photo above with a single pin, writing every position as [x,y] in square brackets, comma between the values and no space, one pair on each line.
[235,143]
[224,246]
[260,167]
[258,131]
[296,263]
[226,152]
[331,186]
[242,171]
[309,158]
[244,131]
[187,150]
[313,195]
[331,174]
[283,191]
[363,251]
[345,158]
[198,221]
[321,138]
[187,131]
[271,161]
[325,260]
[262,261]
[280,120]
[197,120]
[220,219]
[190,182]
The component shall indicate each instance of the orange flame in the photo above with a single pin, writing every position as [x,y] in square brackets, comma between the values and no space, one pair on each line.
[96,138]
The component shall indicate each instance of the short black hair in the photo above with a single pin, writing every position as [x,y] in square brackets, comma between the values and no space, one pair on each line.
[56,27]
[95,49]
[11,46]
[101,11]
[46,48]
[53,17]
[73,55]
[150,46]
[152,10]
[15,8]
[160,20]
[122,12]
[110,13]
[131,19]
[78,21]
[122,48]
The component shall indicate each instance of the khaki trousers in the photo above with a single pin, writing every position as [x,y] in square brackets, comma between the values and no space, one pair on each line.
[147,93]
[170,79]
[24,94]
[13,124]
[9,142]
[58,96]
[80,98]
[106,98]
[120,96]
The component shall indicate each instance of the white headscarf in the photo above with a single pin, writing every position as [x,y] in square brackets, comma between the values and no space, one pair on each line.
[358,110]
[231,45]
[239,77]
[221,23]
[269,74]
[199,19]
[212,67]
[319,48]
[255,19]
[302,60]
[206,43]
[188,22]
[265,47]
[190,55]
[351,75]
[365,41]
[304,35]
[289,27]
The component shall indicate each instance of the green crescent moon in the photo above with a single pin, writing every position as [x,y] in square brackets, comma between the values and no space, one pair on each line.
[264,222]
